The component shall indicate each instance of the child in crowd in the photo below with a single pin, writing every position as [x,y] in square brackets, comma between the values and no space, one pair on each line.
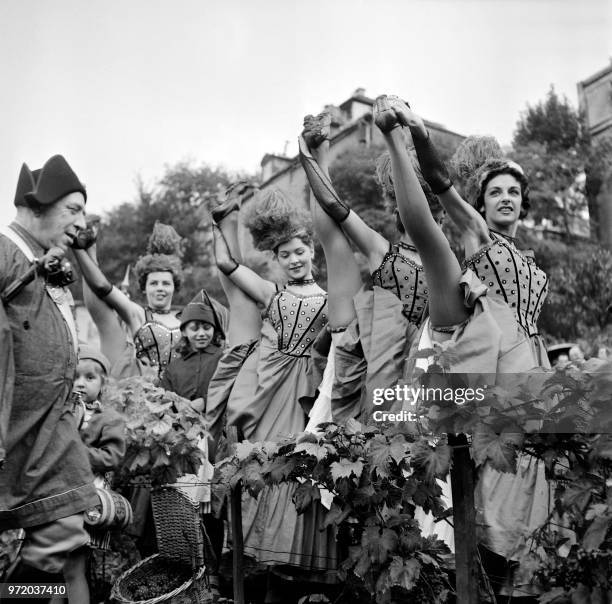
[102,429]
[103,432]
[188,376]
[199,352]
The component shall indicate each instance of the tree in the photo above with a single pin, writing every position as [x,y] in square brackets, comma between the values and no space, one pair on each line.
[182,199]
[550,145]
[556,194]
[553,123]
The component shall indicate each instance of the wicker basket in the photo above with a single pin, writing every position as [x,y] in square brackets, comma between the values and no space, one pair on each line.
[178,526]
[180,539]
[193,591]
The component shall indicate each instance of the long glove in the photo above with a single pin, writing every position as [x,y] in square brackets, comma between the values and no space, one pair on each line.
[321,186]
[434,171]
[223,257]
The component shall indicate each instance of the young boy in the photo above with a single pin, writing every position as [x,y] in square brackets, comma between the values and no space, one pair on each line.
[102,429]
[189,375]
[103,432]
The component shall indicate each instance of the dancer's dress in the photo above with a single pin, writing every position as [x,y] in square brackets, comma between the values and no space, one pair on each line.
[513,278]
[506,290]
[277,373]
[235,376]
[155,343]
[371,352]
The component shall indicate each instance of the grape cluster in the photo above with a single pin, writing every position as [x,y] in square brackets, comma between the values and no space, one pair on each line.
[161,582]
[590,568]
[428,589]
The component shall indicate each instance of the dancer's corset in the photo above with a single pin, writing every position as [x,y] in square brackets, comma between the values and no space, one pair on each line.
[406,280]
[514,277]
[297,320]
[155,343]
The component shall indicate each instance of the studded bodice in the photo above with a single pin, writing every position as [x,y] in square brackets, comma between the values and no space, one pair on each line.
[406,279]
[514,277]
[297,320]
[156,343]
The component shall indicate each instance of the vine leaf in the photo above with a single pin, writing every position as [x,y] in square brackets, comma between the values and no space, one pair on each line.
[160,426]
[404,573]
[500,450]
[319,451]
[399,449]
[379,543]
[578,494]
[344,468]
[252,477]
[304,495]
[158,407]
[141,460]
[596,533]
[280,467]
[581,595]
[336,515]
[434,461]
[244,449]
[379,454]
[383,591]
[528,565]
[161,459]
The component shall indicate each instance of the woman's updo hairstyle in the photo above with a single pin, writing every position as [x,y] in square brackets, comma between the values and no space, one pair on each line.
[164,253]
[478,160]
[273,220]
[495,167]
[384,176]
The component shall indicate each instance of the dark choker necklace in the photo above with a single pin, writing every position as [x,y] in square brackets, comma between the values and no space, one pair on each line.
[301,282]
[407,246]
[512,240]
[161,311]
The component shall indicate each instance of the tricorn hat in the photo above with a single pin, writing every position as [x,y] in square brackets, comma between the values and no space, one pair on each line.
[56,180]
[25,184]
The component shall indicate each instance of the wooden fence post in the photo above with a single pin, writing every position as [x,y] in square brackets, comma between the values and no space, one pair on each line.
[236,524]
[464,520]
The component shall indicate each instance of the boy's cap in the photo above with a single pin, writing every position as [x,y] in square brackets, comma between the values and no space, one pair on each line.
[89,352]
[196,311]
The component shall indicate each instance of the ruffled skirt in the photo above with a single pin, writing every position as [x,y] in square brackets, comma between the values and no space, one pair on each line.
[370,354]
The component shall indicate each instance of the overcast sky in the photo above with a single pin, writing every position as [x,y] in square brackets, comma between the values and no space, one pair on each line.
[123,87]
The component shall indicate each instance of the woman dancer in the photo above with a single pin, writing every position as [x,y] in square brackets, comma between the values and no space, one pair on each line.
[244,326]
[395,306]
[154,329]
[489,311]
[115,341]
[269,409]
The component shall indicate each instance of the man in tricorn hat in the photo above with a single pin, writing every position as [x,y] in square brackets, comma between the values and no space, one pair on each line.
[45,478]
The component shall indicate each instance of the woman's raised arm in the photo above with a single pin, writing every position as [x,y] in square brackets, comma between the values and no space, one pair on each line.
[464,215]
[258,288]
[130,312]
[315,161]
